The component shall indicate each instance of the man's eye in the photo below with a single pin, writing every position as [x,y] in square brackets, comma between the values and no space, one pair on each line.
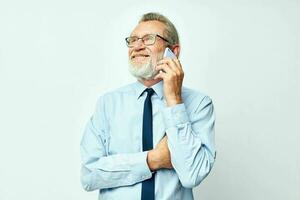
[146,38]
[133,39]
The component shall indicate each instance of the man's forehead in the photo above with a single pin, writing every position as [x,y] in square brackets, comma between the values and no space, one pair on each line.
[148,27]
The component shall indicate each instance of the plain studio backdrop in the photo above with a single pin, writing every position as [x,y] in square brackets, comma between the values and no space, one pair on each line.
[57,57]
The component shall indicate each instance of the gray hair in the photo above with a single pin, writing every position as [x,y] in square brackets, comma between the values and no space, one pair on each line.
[170,30]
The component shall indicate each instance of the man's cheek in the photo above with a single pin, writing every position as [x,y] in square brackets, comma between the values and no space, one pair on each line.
[159,57]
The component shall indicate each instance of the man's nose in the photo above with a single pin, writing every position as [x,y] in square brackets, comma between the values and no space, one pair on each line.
[139,45]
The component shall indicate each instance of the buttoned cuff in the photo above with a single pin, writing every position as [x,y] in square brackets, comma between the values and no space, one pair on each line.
[140,166]
[175,115]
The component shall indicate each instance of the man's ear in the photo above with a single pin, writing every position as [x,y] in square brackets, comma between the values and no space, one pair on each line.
[176,50]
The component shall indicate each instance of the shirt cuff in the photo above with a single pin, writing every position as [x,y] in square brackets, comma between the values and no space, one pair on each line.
[175,115]
[140,166]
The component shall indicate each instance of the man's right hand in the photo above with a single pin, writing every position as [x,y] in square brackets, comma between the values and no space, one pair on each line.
[160,157]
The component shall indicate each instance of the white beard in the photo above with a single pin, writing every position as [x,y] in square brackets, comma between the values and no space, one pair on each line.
[144,71]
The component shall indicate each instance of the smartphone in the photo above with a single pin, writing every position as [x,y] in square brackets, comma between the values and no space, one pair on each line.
[169,54]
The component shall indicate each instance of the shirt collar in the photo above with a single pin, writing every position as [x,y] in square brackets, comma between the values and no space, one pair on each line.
[139,89]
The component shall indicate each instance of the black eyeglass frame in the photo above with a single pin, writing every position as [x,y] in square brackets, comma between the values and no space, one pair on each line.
[155,35]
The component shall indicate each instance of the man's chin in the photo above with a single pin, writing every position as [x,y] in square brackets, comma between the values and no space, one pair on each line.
[144,76]
[149,76]
[143,71]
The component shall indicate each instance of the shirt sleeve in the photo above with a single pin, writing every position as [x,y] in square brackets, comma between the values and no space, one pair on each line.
[191,139]
[100,170]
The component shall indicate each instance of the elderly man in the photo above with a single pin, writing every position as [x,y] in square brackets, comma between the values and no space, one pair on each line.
[152,139]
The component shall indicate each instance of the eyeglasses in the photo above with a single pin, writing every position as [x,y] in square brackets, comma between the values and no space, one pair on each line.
[148,40]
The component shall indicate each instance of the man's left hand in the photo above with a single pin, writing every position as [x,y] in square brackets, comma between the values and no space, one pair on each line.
[170,70]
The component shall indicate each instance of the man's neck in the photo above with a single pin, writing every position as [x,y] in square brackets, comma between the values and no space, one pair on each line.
[149,83]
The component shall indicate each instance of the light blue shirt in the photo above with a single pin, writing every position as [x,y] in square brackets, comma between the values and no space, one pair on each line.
[112,158]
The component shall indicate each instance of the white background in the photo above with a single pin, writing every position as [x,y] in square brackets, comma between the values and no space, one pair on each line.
[57,57]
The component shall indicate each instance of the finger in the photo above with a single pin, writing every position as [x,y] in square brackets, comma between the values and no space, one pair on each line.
[179,69]
[164,61]
[160,75]
[166,68]
[175,67]
[167,60]
[172,64]
[177,61]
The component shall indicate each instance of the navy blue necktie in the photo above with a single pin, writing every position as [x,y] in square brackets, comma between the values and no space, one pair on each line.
[148,185]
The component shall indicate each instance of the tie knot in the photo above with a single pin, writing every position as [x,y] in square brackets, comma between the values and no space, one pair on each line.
[149,91]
